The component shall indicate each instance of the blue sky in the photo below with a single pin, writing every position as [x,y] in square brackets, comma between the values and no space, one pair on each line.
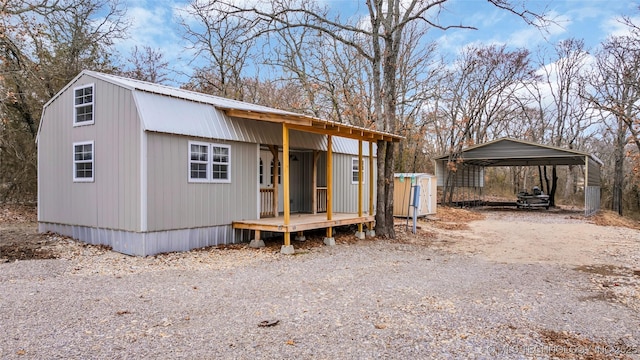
[155,23]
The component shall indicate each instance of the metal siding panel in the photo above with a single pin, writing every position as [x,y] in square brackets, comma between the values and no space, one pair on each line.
[345,197]
[593,177]
[106,121]
[83,196]
[179,116]
[174,203]
[108,201]
[88,204]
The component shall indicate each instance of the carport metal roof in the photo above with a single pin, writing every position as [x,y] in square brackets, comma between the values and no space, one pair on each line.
[513,152]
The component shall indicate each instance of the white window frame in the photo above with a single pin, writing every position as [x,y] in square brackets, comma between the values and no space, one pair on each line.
[225,163]
[76,162]
[209,163]
[92,103]
[354,161]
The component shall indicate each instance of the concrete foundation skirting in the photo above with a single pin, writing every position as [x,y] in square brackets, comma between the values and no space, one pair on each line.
[147,243]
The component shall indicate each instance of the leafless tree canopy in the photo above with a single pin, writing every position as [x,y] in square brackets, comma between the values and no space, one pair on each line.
[43,45]
[379,69]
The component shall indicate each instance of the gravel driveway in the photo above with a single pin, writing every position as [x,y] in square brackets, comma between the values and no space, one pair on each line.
[366,300]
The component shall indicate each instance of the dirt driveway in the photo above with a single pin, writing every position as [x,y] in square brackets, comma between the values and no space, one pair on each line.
[472,285]
[539,236]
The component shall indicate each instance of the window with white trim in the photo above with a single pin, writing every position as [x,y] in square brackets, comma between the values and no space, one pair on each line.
[209,162]
[83,168]
[261,172]
[355,170]
[83,105]
[221,162]
[198,162]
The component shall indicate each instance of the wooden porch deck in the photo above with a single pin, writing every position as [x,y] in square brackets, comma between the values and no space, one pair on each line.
[302,222]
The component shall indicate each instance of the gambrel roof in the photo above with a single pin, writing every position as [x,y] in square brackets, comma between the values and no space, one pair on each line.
[172,110]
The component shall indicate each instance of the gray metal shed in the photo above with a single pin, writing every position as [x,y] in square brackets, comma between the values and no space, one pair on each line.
[146,168]
[514,152]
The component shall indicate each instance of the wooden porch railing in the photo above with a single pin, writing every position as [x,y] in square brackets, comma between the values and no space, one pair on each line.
[266,202]
[321,196]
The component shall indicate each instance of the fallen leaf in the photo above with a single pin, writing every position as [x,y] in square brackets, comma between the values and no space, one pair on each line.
[290,342]
[21,352]
[381,326]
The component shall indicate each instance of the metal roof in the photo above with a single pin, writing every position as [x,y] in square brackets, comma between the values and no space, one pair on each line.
[514,152]
[177,116]
[234,109]
[172,110]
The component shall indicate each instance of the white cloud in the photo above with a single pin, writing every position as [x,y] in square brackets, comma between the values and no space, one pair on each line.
[152,23]
[613,26]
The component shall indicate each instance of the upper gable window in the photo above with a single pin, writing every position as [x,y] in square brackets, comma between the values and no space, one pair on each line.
[83,105]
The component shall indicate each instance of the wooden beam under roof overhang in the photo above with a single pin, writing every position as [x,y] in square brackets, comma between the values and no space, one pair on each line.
[270,117]
[314,125]
[358,134]
[338,133]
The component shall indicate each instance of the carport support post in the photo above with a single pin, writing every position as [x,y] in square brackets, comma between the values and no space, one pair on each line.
[371,232]
[360,233]
[287,248]
[329,240]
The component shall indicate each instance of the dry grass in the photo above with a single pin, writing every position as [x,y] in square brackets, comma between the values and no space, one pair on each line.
[457,215]
[610,218]
[450,218]
[17,213]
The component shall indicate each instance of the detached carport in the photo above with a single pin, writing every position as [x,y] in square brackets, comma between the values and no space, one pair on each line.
[471,162]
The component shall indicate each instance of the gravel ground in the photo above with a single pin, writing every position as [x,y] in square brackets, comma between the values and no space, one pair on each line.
[366,300]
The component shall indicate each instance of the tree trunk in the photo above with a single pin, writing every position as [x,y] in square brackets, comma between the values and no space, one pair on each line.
[540,178]
[554,186]
[388,170]
[618,173]
[546,179]
[380,189]
[384,201]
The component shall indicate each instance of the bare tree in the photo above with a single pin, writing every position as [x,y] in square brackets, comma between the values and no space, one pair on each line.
[478,95]
[378,39]
[561,97]
[147,64]
[43,45]
[223,41]
[616,92]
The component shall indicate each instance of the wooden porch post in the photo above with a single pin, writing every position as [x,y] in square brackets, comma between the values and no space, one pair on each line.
[274,178]
[314,182]
[286,248]
[371,231]
[360,233]
[329,240]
